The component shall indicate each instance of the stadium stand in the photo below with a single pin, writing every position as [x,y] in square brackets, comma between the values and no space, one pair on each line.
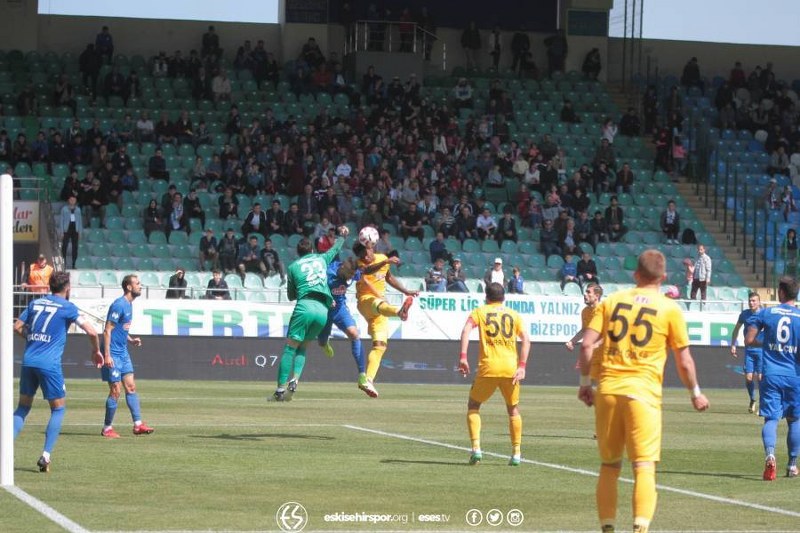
[354,146]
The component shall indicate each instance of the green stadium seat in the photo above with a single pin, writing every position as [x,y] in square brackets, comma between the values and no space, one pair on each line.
[253,281]
[125,263]
[158,237]
[413,244]
[146,263]
[99,249]
[149,279]
[87,278]
[108,278]
[115,236]
[490,246]
[471,246]
[572,289]
[84,262]
[474,285]
[555,261]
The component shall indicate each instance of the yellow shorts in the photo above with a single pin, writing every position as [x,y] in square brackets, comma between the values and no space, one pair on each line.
[483,388]
[377,324]
[624,423]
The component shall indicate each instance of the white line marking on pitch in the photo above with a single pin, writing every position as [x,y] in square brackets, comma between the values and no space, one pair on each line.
[711,497]
[278,425]
[46,510]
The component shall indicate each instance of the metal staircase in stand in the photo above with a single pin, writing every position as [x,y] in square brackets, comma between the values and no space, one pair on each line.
[738,248]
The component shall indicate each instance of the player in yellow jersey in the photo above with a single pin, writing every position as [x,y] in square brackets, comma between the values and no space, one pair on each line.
[591,297]
[637,327]
[498,366]
[372,304]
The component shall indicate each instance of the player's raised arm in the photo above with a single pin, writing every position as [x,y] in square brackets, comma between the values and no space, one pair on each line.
[392,281]
[463,363]
[686,371]
[331,254]
[374,267]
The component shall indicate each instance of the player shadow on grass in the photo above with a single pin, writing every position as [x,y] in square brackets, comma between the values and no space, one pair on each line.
[262,436]
[746,477]
[409,462]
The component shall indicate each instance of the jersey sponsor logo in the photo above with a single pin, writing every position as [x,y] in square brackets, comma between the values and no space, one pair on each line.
[38,337]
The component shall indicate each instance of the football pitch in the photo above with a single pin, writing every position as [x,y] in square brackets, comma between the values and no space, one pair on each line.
[224,459]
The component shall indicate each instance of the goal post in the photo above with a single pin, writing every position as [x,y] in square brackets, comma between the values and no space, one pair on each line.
[6,331]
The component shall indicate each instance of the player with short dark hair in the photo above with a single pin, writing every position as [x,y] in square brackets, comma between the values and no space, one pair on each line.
[752,354]
[499,367]
[591,297]
[44,325]
[637,327]
[118,367]
[780,384]
[307,282]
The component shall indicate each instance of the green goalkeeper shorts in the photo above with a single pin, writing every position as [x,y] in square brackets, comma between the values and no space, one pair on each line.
[308,319]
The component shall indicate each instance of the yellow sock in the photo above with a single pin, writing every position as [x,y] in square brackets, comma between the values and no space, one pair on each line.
[374,360]
[515,430]
[474,425]
[382,308]
[644,495]
[607,494]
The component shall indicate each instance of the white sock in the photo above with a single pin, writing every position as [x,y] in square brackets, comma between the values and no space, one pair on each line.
[106,428]
[137,423]
[46,456]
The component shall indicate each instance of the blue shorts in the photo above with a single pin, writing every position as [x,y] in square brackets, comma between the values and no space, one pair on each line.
[122,366]
[51,382]
[339,315]
[778,397]
[752,361]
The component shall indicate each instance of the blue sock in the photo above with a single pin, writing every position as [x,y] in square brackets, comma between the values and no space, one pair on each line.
[769,434]
[111,409]
[793,440]
[53,429]
[358,355]
[19,418]
[132,400]
[751,389]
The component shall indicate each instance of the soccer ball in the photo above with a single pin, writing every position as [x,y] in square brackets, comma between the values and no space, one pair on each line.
[368,236]
[672,292]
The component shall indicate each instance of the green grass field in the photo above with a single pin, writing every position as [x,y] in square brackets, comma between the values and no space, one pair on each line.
[223,458]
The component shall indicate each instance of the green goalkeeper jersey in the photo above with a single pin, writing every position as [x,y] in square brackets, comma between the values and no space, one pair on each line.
[309,275]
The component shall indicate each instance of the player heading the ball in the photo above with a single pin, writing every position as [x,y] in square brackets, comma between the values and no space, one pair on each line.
[371,296]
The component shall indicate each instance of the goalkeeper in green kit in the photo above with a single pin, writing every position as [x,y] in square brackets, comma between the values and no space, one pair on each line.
[307,282]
